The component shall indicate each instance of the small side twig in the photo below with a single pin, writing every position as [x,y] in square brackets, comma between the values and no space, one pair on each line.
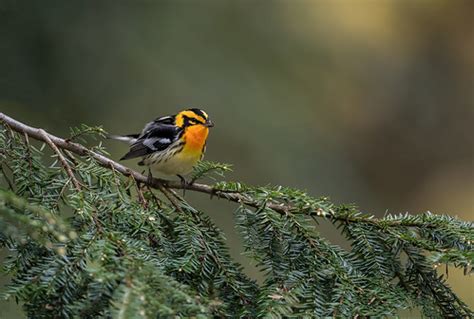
[141,198]
[70,156]
[170,197]
[155,198]
[61,158]
[27,142]
[10,184]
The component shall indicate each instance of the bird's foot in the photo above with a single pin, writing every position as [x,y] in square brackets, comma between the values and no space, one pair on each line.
[183,183]
[149,179]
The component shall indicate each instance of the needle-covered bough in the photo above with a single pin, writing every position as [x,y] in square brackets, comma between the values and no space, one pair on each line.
[89,237]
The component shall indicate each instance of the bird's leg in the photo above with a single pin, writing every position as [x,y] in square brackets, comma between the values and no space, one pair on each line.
[183,183]
[150,177]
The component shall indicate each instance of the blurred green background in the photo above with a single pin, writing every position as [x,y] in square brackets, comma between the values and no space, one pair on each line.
[367,102]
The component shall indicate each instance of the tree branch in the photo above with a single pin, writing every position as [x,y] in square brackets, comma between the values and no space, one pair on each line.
[157,183]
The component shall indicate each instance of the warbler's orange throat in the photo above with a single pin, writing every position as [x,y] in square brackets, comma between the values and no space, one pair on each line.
[195,136]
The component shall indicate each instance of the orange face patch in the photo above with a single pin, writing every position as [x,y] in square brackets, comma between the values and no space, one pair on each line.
[189,114]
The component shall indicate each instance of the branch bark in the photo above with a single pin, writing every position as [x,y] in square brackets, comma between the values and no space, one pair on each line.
[157,183]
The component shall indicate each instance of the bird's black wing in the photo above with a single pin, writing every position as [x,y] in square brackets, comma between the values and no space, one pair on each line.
[155,137]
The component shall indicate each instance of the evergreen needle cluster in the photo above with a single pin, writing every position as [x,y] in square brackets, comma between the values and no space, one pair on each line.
[87,240]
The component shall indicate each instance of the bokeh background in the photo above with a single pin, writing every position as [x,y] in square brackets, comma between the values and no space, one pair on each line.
[367,102]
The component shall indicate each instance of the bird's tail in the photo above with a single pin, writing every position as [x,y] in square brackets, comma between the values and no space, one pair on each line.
[130,138]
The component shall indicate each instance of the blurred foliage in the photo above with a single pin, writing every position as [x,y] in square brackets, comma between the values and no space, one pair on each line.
[371,102]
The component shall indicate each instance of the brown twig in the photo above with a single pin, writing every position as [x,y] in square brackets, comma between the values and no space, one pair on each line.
[170,197]
[141,198]
[10,184]
[27,142]
[155,198]
[70,157]
[47,139]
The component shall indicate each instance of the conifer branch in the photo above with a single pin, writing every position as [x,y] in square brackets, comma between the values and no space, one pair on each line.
[231,195]
[126,253]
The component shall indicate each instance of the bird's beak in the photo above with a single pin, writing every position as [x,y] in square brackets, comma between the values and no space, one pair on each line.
[209,123]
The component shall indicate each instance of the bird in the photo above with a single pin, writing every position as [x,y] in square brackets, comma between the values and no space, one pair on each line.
[172,144]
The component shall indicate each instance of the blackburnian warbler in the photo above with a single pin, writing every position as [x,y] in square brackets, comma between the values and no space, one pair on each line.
[171,145]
